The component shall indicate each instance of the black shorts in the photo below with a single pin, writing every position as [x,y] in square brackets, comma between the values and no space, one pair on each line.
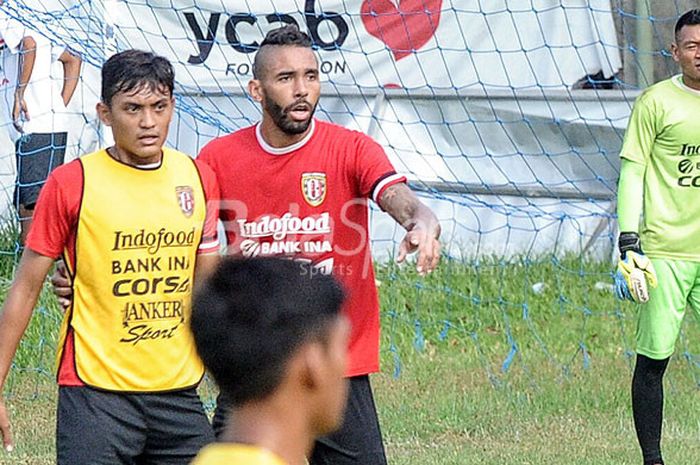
[96,427]
[359,440]
[37,155]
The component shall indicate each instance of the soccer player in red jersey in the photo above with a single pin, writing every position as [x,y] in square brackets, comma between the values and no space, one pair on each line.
[297,187]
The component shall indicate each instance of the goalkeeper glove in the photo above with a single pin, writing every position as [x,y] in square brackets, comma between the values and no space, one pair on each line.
[634,270]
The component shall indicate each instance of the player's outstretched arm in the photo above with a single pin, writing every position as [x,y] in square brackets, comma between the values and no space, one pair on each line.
[71,74]
[421,224]
[16,312]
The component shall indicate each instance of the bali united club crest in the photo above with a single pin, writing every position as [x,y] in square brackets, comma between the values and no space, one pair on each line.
[313,186]
[185,198]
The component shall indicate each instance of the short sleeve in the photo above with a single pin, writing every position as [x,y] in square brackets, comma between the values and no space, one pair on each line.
[56,211]
[11,31]
[210,239]
[373,170]
[56,51]
[206,154]
[641,131]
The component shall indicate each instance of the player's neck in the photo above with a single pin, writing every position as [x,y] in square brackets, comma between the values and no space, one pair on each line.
[134,160]
[277,138]
[265,426]
[690,83]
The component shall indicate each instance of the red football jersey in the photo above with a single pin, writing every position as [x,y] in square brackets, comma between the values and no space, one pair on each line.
[309,201]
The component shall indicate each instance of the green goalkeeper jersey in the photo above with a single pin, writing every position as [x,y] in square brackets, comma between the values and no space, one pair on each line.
[663,134]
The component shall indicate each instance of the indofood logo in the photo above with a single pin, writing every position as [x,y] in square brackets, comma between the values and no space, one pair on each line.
[280,227]
[152,241]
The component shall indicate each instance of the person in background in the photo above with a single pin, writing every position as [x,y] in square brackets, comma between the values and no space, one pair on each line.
[36,106]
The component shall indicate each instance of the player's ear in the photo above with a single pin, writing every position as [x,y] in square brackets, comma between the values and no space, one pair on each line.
[104,113]
[674,51]
[255,90]
[311,368]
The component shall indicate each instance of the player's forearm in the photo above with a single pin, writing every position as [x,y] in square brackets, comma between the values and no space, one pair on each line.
[630,195]
[71,74]
[18,306]
[403,205]
[27,56]
[205,266]
[16,313]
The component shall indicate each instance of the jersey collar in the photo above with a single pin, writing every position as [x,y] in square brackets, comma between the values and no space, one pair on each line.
[678,81]
[283,150]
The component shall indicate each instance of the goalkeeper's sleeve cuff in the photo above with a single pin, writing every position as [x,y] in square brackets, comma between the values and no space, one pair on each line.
[629,242]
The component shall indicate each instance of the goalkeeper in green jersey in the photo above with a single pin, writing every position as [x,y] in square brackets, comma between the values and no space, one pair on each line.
[659,263]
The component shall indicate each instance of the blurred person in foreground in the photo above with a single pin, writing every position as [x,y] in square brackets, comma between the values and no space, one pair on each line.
[271,333]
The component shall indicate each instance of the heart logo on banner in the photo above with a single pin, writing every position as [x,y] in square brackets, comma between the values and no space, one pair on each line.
[403,25]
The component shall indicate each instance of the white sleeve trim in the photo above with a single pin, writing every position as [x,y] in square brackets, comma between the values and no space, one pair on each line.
[383,183]
[207,246]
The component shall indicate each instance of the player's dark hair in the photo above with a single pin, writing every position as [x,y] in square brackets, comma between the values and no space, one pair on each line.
[288,35]
[250,317]
[129,70]
[689,18]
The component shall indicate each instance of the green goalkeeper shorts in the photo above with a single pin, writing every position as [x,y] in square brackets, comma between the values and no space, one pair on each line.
[661,318]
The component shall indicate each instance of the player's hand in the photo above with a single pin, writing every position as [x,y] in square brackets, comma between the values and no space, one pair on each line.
[424,240]
[19,113]
[5,430]
[635,272]
[62,288]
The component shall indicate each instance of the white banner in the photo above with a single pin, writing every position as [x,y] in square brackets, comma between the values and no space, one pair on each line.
[487,135]
[408,43]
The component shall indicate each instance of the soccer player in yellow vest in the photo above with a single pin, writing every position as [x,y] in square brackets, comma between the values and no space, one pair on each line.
[135,224]
[659,181]
[272,334]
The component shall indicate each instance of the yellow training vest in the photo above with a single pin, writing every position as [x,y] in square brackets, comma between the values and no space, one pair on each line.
[137,238]
[230,453]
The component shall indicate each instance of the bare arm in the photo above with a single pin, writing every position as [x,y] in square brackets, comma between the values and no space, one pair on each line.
[421,224]
[16,313]
[205,266]
[27,56]
[61,285]
[71,74]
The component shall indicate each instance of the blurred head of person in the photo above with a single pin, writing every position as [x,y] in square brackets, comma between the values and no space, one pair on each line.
[271,333]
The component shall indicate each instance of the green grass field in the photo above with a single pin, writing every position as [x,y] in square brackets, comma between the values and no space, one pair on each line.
[443,394]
